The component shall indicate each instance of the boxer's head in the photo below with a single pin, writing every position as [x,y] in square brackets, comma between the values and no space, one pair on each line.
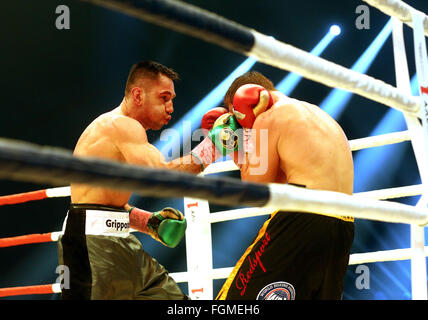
[253,77]
[149,93]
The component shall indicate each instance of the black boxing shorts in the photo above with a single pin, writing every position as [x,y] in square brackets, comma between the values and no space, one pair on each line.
[294,256]
[105,261]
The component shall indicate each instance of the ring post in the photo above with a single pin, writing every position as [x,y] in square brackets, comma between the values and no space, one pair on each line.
[420,147]
[198,249]
[419,270]
[419,144]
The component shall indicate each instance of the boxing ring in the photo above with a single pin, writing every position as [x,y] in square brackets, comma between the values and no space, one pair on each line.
[31,163]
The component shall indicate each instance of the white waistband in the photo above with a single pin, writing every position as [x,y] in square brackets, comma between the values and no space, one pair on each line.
[106,223]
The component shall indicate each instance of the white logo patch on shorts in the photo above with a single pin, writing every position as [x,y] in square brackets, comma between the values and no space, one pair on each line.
[280,290]
[107,223]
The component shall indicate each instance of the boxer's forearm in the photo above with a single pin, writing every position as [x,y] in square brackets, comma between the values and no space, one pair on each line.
[186,163]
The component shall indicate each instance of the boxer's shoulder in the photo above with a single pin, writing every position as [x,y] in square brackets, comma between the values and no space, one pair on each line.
[124,126]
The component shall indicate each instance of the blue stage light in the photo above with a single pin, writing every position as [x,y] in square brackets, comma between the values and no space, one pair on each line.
[288,84]
[335,30]
[337,100]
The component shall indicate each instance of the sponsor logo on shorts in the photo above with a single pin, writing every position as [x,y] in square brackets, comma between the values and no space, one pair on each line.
[251,264]
[277,291]
[118,226]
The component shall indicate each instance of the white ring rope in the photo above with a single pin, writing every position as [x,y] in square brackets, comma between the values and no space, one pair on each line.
[391,193]
[382,256]
[58,192]
[382,194]
[398,9]
[379,140]
[355,144]
[287,57]
[354,259]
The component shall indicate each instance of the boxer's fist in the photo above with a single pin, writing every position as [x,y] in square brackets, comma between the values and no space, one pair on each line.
[168,226]
[248,102]
[210,117]
[225,134]
[221,140]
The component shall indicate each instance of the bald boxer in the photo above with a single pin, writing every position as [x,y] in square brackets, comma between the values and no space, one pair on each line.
[294,255]
[105,261]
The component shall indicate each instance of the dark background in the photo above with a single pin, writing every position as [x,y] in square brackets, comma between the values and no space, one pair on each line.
[55,82]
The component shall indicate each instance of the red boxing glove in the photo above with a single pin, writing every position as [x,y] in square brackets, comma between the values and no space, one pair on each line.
[210,117]
[248,102]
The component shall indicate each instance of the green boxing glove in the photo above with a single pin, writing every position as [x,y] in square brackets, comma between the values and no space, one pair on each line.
[169,225]
[166,226]
[225,134]
[223,139]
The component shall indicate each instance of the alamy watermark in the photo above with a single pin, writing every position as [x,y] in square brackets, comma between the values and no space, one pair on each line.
[363,19]
[62,21]
[363,280]
[64,276]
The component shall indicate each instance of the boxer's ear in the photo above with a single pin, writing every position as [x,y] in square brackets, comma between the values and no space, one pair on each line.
[137,95]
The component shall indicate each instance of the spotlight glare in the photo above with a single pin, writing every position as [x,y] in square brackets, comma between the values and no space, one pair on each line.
[335,30]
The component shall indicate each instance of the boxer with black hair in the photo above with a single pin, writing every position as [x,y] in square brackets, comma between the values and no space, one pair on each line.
[106,261]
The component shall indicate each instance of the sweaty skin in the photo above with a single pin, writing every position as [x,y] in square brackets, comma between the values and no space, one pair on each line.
[120,135]
[305,146]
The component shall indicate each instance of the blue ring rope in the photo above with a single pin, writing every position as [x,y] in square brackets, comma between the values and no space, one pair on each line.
[186,18]
[27,162]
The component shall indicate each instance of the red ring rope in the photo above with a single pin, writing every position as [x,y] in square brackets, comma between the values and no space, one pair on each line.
[23,197]
[26,239]
[19,291]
